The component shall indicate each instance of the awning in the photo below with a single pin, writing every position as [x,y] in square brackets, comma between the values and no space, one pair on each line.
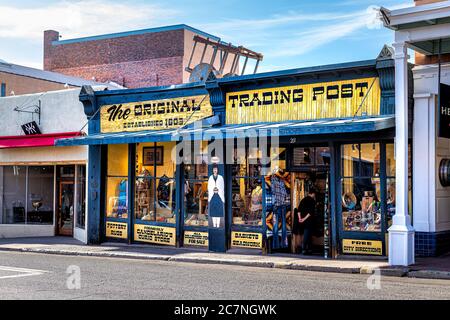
[36,140]
[285,128]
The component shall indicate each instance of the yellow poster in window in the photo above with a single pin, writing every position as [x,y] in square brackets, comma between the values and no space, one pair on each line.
[337,99]
[154,114]
[193,238]
[117,230]
[154,234]
[246,240]
[371,247]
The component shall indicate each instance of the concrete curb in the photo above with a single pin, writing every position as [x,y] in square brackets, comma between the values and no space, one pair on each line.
[91,254]
[429,274]
[390,272]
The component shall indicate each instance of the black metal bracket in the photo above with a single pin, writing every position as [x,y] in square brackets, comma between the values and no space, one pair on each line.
[37,110]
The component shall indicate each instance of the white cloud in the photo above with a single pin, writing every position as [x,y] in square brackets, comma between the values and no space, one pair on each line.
[79,18]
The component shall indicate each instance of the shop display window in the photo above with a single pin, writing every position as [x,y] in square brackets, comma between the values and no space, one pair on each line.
[195,189]
[361,205]
[117,181]
[155,183]
[361,185]
[81,196]
[40,194]
[390,183]
[13,201]
[247,194]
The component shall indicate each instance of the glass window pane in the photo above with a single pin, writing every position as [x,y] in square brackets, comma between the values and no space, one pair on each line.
[117,197]
[303,156]
[13,184]
[165,204]
[350,160]
[81,196]
[390,160]
[247,201]
[370,160]
[278,158]
[118,160]
[165,167]
[361,209]
[323,156]
[145,198]
[390,200]
[40,194]
[195,202]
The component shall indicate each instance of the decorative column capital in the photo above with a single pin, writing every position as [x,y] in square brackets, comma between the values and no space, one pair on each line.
[401,50]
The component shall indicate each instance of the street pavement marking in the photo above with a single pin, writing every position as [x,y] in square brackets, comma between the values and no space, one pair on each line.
[22,272]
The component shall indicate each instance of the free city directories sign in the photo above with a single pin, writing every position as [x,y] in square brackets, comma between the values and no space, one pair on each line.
[362,247]
[154,234]
[154,114]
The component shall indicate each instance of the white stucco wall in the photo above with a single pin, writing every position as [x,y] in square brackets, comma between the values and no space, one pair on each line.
[61,111]
[431,201]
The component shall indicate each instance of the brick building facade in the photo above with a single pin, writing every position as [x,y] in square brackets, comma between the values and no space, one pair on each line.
[142,58]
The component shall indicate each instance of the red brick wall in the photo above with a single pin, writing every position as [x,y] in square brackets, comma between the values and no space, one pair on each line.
[134,61]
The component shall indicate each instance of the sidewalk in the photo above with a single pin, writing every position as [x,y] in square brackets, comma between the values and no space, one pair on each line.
[437,268]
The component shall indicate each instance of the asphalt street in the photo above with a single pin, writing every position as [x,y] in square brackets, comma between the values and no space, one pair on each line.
[40,276]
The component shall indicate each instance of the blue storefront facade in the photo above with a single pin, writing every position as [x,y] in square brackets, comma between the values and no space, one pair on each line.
[152,152]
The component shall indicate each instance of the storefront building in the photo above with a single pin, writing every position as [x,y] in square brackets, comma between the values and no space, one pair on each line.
[153,154]
[424,29]
[42,187]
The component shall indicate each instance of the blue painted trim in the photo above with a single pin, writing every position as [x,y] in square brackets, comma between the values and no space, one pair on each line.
[108,219]
[298,72]
[137,32]
[174,89]
[131,191]
[155,223]
[232,131]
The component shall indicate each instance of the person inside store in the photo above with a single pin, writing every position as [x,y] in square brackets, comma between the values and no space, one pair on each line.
[280,196]
[305,215]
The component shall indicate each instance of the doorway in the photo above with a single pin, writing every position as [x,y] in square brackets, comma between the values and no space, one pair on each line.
[302,183]
[66,200]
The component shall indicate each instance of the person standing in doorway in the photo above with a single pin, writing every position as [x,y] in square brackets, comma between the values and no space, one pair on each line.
[307,209]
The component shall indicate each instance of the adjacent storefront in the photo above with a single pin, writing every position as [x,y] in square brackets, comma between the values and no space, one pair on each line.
[225,165]
[42,188]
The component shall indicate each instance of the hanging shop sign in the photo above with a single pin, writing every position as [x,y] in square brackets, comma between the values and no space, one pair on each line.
[31,128]
[246,240]
[193,238]
[154,114]
[116,230]
[338,99]
[362,247]
[154,234]
[444,111]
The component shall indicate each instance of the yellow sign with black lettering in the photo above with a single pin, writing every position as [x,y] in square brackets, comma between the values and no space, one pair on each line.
[154,114]
[371,247]
[154,234]
[338,99]
[193,238]
[246,240]
[116,230]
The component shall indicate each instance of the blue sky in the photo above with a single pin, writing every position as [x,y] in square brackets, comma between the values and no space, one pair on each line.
[289,33]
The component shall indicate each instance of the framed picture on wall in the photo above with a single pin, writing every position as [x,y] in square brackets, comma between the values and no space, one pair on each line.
[153,156]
